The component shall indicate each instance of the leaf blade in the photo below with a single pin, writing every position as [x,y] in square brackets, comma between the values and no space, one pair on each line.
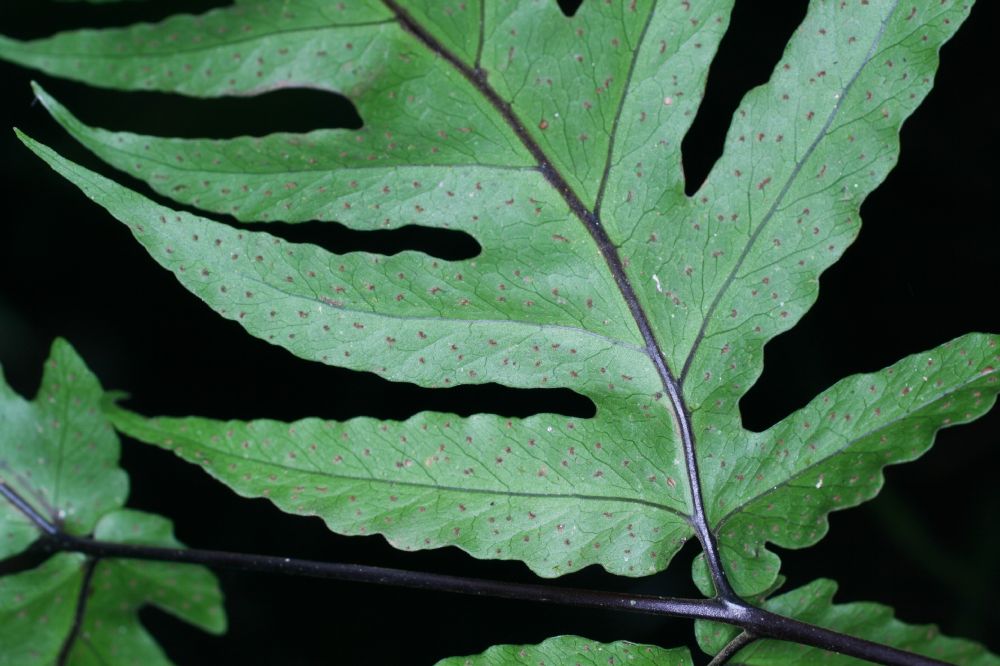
[496,488]
[60,458]
[189,592]
[829,455]
[513,352]
[715,369]
[58,452]
[782,202]
[41,596]
[111,631]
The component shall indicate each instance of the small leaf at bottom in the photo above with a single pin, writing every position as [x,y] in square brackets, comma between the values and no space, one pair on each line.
[574,651]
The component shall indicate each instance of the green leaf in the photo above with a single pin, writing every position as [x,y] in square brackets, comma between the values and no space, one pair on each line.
[829,455]
[37,609]
[58,452]
[574,651]
[813,603]
[432,326]
[497,488]
[555,144]
[500,488]
[111,632]
[60,455]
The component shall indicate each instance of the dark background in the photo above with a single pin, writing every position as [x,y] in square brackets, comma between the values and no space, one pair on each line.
[922,272]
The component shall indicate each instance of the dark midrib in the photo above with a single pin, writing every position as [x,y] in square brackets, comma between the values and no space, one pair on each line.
[81,609]
[778,200]
[592,223]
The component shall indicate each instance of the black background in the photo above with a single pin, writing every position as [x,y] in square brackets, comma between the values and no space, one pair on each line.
[922,272]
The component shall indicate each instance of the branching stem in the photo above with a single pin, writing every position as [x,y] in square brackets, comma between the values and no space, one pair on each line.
[753,621]
[742,640]
[79,613]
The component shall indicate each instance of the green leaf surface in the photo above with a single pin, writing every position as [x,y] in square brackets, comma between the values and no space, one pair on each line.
[574,651]
[813,603]
[58,452]
[555,143]
[503,488]
[60,455]
[111,632]
[544,490]
[829,455]
[37,609]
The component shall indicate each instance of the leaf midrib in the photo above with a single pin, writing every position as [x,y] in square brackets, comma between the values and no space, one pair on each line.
[325,474]
[614,342]
[590,220]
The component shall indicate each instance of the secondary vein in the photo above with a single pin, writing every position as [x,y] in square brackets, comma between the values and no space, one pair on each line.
[778,200]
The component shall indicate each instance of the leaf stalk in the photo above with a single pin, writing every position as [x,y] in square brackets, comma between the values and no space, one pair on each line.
[78,614]
[742,640]
[755,622]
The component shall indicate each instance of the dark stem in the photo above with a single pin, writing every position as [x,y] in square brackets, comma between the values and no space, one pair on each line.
[756,621]
[771,625]
[22,504]
[707,609]
[40,521]
[591,221]
[742,640]
[81,609]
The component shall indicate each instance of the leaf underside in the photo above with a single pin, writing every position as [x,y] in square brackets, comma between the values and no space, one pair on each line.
[478,482]
[555,143]
[60,455]
[59,452]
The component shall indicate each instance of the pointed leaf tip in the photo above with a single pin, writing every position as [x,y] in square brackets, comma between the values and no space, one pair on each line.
[57,452]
